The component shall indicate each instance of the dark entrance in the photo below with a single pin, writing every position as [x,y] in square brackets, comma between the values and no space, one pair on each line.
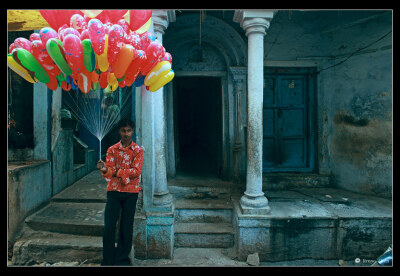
[198,121]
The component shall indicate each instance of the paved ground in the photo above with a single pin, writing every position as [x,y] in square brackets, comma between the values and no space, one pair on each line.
[218,257]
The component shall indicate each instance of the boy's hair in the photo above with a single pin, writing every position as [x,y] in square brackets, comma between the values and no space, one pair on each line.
[126,122]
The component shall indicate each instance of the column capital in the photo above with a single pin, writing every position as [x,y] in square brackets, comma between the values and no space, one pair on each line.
[161,19]
[238,72]
[254,21]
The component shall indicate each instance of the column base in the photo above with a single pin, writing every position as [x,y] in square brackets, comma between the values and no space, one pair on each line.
[254,205]
[162,199]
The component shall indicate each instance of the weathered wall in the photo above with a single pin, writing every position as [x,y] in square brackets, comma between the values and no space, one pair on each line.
[360,109]
[354,98]
[29,186]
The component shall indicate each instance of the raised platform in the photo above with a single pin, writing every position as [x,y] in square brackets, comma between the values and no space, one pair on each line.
[304,223]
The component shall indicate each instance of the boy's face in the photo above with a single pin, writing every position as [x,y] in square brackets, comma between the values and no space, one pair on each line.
[126,134]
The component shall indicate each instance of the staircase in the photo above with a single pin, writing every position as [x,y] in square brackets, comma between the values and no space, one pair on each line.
[203,213]
[68,229]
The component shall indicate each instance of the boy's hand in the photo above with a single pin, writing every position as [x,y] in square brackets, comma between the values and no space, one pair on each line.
[101,165]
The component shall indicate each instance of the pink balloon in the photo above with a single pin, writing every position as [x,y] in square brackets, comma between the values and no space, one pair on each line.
[46,33]
[73,52]
[167,57]
[97,34]
[84,34]
[124,25]
[145,39]
[63,27]
[133,39]
[77,22]
[24,43]
[115,42]
[68,31]
[34,36]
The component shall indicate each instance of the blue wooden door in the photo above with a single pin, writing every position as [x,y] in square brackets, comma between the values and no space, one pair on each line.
[288,134]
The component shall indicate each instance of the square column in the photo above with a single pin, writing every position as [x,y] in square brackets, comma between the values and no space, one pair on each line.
[255,23]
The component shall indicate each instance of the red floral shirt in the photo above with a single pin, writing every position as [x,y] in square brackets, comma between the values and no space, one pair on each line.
[124,167]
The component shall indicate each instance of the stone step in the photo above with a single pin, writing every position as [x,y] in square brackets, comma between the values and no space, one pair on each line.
[284,181]
[188,192]
[203,210]
[69,218]
[91,188]
[52,248]
[210,235]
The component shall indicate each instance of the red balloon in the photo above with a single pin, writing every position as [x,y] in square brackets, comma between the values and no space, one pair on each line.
[111,16]
[73,52]
[137,18]
[134,68]
[103,80]
[53,83]
[40,53]
[57,18]
[115,38]
[11,47]
[154,52]
[129,82]
[122,84]
[65,86]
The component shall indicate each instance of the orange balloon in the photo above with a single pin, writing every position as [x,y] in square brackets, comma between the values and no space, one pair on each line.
[85,81]
[125,57]
[94,76]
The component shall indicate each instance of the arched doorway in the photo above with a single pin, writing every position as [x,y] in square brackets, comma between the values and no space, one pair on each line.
[203,51]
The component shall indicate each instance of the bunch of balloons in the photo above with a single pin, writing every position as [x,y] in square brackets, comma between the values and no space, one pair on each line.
[109,48]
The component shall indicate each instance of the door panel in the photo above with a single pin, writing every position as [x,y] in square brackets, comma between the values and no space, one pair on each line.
[287,126]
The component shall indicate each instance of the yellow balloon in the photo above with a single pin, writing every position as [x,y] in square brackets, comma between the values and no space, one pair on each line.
[145,27]
[161,69]
[102,59]
[162,81]
[112,82]
[20,70]
[91,13]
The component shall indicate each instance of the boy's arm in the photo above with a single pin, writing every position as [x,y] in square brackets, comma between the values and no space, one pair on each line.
[110,163]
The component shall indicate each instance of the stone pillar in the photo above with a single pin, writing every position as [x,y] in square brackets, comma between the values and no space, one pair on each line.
[162,197]
[255,23]
[158,202]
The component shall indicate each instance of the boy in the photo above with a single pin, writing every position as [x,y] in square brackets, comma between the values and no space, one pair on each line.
[122,171]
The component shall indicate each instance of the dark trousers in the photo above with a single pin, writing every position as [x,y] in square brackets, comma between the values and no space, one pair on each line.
[124,204]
